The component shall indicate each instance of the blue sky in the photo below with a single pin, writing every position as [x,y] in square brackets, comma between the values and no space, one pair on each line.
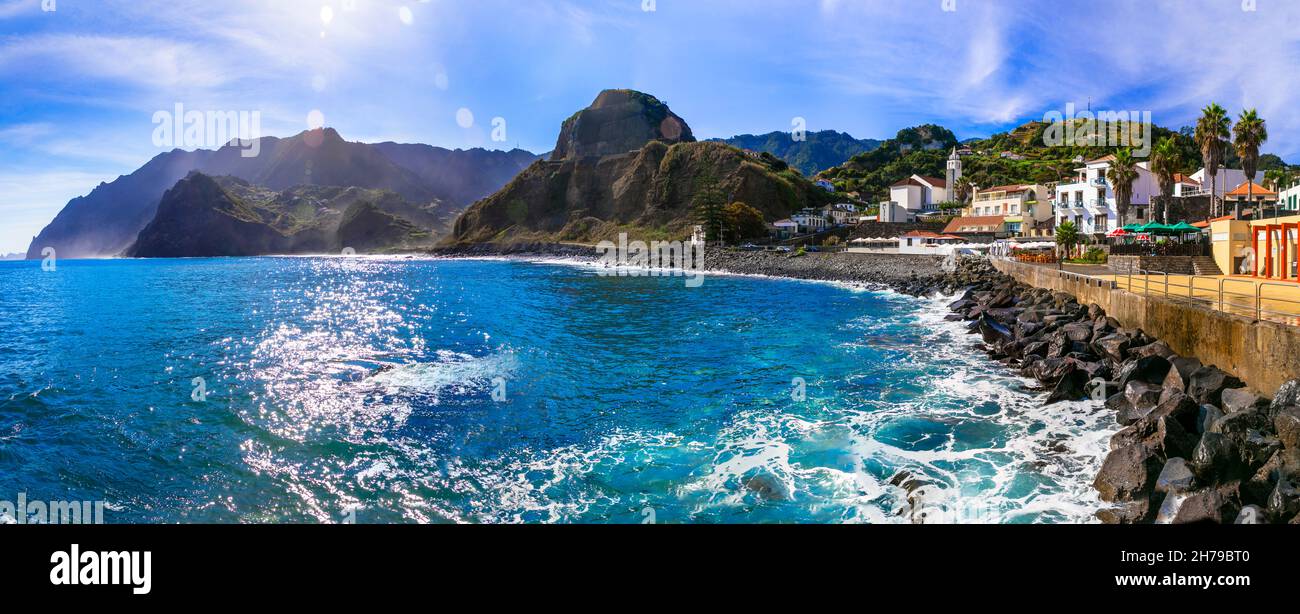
[79,85]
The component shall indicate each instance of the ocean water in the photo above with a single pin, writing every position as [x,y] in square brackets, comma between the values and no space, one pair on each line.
[398,390]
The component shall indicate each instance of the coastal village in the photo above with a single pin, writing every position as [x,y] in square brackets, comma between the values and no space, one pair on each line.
[1228,236]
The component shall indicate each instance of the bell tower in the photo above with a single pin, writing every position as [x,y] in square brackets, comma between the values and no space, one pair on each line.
[954,175]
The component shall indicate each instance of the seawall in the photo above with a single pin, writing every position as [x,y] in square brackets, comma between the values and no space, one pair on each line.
[1263,354]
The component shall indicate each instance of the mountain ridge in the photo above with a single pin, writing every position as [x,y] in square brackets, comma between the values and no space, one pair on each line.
[203,216]
[106,221]
[819,151]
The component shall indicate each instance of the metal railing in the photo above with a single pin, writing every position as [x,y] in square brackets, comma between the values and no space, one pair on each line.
[1218,292]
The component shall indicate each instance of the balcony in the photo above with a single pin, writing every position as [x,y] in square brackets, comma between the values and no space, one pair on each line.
[1099,206]
[1099,182]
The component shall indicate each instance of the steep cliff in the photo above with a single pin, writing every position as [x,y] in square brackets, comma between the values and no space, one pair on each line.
[616,168]
[203,216]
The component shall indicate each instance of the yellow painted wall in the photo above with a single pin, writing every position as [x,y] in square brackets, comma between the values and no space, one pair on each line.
[1229,237]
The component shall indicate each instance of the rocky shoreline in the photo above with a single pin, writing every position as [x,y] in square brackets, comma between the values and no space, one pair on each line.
[913,275]
[1197,446]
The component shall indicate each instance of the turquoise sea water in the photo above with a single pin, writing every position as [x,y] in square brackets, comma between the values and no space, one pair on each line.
[364,388]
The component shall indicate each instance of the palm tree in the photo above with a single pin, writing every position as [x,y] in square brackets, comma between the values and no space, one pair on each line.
[1121,174]
[964,189]
[1249,134]
[1166,161]
[1067,236]
[1212,131]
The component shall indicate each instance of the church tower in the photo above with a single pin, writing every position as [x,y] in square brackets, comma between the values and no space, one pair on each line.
[954,175]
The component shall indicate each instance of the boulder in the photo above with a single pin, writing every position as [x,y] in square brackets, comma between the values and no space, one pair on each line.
[1069,388]
[1036,348]
[1176,477]
[1212,505]
[1286,423]
[1215,459]
[1078,331]
[1284,501]
[1051,369]
[1241,422]
[1159,348]
[1208,383]
[1260,486]
[1287,396]
[1128,474]
[1059,345]
[1206,417]
[1095,370]
[1113,346]
[1142,395]
[1256,448]
[992,331]
[1180,373]
[961,305]
[1238,399]
[1149,369]
[1179,407]
[1129,512]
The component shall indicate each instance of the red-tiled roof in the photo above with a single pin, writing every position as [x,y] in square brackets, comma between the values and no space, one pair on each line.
[1181,178]
[1259,190]
[979,224]
[1207,224]
[933,182]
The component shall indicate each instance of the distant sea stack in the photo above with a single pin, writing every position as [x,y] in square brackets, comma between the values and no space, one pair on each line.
[629,164]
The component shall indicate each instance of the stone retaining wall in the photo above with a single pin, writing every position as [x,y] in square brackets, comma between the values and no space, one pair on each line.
[1263,354]
[1176,265]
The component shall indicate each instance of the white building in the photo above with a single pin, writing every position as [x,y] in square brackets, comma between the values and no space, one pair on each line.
[919,195]
[826,185]
[810,220]
[912,197]
[1198,184]
[1089,202]
[784,229]
[1289,198]
[927,243]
